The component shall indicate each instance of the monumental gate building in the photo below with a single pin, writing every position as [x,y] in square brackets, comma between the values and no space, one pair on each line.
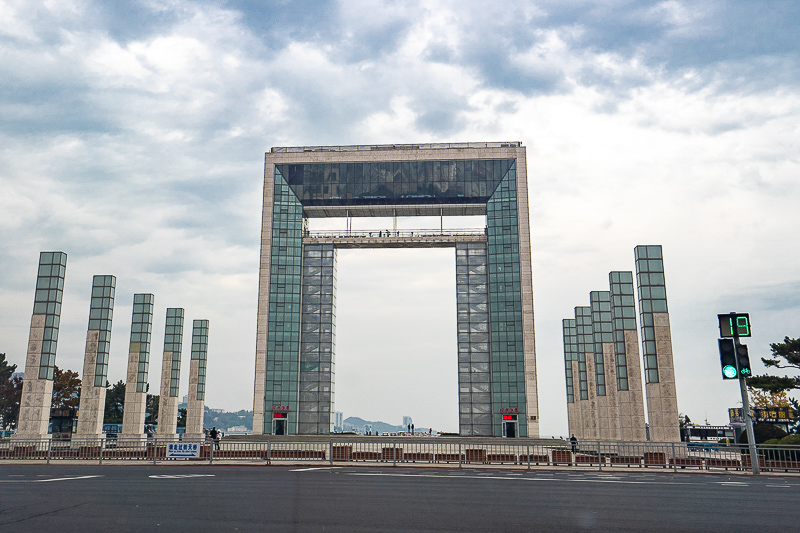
[295,348]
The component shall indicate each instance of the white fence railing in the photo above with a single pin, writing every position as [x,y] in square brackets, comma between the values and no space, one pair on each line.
[599,455]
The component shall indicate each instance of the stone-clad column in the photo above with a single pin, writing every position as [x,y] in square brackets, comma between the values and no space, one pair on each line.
[37,387]
[626,349]
[570,336]
[197,382]
[586,372]
[95,361]
[170,375]
[133,416]
[662,403]
[605,369]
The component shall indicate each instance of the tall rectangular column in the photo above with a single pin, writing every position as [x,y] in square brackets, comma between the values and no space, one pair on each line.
[170,374]
[605,369]
[587,383]
[626,350]
[133,415]
[95,361]
[318,340]
[570,336]
[37,387]
[662,402]
[472,318]
[195,407]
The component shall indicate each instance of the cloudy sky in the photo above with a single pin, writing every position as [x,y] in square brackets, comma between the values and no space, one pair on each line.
[132,137]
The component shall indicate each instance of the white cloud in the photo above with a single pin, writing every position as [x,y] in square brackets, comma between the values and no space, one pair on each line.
[140,153]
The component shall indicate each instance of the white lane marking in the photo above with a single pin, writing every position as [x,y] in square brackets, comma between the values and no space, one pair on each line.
[179,476]
[62,479]
[780,486]
[736,483]
[314,468]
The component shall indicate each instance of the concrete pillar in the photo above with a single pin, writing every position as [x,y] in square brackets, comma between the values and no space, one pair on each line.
[630,402]
[170,375]
[609,422]
[95,361]
[37,386]
[136,386]
[197,382]
[662,404]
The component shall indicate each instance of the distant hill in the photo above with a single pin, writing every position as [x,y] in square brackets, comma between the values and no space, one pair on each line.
[356,424]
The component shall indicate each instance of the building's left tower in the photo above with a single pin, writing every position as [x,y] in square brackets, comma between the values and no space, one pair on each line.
[37,388]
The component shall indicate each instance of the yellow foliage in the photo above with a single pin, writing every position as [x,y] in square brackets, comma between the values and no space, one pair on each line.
[765,399]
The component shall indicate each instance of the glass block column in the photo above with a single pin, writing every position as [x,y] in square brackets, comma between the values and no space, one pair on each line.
[626,353]
[569,331]
[586,372]
[662,403]
[474,372]
[133,416]
[95,361]
[197,382]
[318,345]
[170,374]
[37,387]
[605,366]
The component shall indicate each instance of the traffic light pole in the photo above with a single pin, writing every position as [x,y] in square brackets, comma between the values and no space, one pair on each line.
[748,418]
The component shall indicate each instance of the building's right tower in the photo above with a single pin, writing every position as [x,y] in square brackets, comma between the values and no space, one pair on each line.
[659,370]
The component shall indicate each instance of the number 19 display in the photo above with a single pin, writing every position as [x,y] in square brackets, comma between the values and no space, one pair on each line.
[734,325]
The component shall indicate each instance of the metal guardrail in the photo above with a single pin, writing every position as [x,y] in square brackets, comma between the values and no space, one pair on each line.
[368,147]
[600,455]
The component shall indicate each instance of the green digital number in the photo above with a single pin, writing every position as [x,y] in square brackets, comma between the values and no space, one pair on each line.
[743,325]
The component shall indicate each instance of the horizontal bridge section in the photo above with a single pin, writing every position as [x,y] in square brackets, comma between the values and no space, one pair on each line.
[395,239]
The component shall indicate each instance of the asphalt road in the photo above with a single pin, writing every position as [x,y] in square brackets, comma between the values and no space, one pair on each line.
[63,498]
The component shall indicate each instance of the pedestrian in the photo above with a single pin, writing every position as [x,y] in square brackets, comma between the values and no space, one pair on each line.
[214,434]
[574,441]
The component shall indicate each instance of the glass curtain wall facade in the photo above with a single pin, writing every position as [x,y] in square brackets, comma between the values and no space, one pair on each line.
[508,364]
[295,348]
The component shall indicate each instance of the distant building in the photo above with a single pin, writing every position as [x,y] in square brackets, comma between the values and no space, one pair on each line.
[407,421]
[338,421]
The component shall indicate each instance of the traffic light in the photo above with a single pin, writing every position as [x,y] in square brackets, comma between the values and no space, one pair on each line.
[727,358]
[743,361]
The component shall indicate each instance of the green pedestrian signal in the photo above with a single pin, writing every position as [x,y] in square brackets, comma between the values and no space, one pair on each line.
[727,358]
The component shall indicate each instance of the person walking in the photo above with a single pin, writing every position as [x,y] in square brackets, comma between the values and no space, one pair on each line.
[214,434]
[574,442]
